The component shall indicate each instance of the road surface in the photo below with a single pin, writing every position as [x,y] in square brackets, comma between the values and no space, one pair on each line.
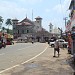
[19,53]
[34,59]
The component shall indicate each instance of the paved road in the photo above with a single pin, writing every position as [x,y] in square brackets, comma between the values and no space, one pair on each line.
[39,61]
[19,53]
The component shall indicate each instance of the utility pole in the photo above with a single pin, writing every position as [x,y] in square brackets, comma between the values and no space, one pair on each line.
[65,20]
[65,25]
[32,14]
[60,31]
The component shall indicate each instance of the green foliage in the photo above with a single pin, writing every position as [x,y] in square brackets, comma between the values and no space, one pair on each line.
[3,28]
[1,19]
[8,23]
[10,31]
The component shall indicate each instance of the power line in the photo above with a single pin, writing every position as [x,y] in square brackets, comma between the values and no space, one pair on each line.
[64,18]
[61,8]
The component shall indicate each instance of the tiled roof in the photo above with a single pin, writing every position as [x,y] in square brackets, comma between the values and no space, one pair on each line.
[24,23]
[26,20]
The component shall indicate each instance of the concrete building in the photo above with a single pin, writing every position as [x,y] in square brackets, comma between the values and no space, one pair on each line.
[56,31]
[30,29]
[72,14]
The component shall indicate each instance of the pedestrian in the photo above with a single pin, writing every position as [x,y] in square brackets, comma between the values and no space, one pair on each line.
[56,48]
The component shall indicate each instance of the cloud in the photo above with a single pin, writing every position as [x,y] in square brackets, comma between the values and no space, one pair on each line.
[16,8]
[27,1]
[47,10]
[11,9]
[62,7]
[31,1]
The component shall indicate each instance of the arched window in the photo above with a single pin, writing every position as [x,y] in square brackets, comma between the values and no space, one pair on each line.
[18,31]
[27,31]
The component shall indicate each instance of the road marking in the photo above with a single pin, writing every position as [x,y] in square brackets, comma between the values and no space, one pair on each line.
[35,56]
[25,61]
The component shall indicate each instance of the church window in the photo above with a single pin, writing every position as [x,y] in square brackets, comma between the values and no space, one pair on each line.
[18,31]
[50,27]
[37,21]
[13,23]
[27,31]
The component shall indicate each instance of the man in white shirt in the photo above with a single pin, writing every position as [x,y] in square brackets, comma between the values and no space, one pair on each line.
[56,48]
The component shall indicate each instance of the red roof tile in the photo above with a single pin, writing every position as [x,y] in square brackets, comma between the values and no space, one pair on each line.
[24,23]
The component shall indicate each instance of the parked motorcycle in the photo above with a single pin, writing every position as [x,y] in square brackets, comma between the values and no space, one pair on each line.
[0,44]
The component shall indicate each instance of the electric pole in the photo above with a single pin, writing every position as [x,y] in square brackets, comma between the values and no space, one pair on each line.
[65,20]
[60,31]
[65,25]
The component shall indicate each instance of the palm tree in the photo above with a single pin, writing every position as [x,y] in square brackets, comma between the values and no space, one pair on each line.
[8,23]
[3,28]
[1,21]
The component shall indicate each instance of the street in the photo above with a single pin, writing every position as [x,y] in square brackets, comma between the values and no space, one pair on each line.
[33,59]
[19,53]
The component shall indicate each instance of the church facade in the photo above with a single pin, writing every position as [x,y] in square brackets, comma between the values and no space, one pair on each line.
[29,29]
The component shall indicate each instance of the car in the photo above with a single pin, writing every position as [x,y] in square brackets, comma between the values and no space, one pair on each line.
[51,42]
[62,43]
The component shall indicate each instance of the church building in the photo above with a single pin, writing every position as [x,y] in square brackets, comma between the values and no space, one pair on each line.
[29,29]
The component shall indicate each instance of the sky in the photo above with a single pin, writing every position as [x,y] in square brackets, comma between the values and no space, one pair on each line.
[51,11]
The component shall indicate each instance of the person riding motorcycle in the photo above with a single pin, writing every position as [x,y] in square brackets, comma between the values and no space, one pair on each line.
[4,42]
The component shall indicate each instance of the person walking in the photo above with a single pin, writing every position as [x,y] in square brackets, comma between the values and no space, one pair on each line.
[56,48]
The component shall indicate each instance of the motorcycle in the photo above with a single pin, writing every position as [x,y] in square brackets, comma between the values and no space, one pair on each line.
[4,44]
[0,44]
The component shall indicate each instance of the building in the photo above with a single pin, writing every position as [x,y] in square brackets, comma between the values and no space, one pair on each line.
[72,14]
[68,26]
[29,29]
[56,31]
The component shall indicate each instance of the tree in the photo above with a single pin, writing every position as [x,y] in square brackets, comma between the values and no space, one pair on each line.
[1,21]
[3,29]
[8,23]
